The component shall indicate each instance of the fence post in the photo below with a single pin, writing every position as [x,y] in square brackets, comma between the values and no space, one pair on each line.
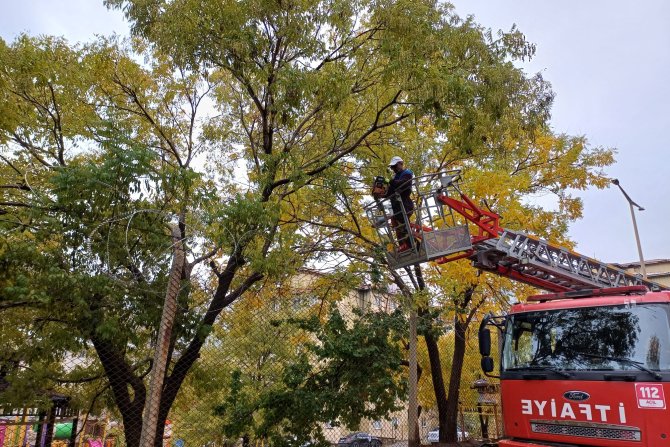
[412,410]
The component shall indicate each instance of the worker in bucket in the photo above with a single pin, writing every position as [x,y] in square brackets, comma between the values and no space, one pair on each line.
[399,190]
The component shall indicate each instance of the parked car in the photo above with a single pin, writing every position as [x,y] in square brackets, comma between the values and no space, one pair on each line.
[359,439]
[434,435]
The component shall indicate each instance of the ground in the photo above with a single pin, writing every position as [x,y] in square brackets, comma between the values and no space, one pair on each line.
[444,444]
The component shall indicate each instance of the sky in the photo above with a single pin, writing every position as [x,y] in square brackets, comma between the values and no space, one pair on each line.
[609,65]
[607,60]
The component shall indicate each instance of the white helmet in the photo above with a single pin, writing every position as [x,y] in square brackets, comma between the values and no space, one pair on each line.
[395,160]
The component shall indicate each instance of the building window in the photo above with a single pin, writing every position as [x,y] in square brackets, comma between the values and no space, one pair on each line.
[363,299]
[377,425]
[423,422]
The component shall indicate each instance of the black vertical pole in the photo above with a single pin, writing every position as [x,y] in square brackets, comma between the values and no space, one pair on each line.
[41,420]
[483,421]
[73,434]
[50,425]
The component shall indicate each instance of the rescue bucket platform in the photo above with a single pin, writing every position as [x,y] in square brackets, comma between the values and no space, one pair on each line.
[430,232]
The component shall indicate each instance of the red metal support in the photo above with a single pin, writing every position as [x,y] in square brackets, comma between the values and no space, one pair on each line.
[455,257]
[588,293]
[487,222]
[530,280]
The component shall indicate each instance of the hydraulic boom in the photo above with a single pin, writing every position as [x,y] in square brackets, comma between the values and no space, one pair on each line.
[492,248]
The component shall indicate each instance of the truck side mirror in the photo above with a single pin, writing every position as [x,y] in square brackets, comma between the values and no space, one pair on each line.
[487,364]
[484,342]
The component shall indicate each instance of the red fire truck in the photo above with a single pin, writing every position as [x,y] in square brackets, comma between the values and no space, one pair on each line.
[586,367]
[587,364]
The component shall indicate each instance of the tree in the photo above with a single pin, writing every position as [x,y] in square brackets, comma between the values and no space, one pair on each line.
[95,178]
[348,370]
[101,155]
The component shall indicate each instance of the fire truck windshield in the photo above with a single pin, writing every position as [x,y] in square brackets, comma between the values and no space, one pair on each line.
[626,337]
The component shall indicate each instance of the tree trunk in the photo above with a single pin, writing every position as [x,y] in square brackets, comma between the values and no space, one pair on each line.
[455,381]
[435,366]
[460,327]
[438,383]
[121,377]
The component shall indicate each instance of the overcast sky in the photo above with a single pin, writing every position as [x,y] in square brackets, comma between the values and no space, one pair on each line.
[608,62]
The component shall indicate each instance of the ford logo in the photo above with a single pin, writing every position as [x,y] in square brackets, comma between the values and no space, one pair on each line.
[576,395]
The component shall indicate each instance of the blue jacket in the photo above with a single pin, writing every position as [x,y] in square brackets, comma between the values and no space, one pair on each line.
[401,183]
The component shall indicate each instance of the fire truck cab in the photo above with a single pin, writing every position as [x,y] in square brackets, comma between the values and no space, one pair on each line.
[584,368]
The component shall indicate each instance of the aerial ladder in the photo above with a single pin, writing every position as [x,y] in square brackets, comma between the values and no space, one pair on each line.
[440,232]
[557,350]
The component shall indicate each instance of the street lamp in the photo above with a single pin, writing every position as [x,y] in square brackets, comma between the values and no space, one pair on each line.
[637,235]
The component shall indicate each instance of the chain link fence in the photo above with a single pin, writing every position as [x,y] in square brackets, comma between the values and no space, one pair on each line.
[252,352]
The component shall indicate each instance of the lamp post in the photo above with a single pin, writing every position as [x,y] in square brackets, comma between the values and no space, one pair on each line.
[631,203]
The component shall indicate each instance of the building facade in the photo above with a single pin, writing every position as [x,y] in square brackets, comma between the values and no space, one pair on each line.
[658,270]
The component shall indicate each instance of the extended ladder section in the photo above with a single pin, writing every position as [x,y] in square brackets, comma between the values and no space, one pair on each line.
[536,262]
[438,234]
